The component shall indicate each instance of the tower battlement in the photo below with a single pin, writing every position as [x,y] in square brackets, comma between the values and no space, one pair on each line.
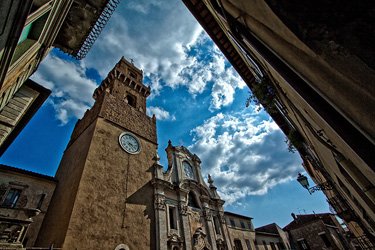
[127,73]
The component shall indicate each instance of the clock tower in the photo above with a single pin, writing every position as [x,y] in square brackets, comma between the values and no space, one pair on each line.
[104,199]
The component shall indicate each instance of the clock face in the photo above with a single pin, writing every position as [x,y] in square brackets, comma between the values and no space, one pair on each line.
[188,169]
[129,143]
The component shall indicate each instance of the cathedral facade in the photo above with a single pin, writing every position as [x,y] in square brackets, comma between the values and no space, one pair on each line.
[189,213]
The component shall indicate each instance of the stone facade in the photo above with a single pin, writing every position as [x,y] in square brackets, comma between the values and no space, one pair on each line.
[24,200]
[271,236]
[110,197]
[240,230]
[316,231]
[189,212]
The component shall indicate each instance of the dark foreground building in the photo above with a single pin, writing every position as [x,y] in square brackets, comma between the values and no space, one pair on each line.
[315,232]
[311,66]
[29,29]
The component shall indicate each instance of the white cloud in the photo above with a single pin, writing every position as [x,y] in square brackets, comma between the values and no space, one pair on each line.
[71,89]
[160,113]
[166,42]
[163,39]
[243,155]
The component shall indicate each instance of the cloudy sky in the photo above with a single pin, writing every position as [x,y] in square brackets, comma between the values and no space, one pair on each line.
[199,101]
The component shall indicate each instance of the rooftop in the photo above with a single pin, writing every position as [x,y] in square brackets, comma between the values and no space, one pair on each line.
[303,219]
[5,168]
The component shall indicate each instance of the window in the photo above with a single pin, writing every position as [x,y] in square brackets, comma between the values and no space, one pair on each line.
[237,244]
[302,243]
[192,202]
[242,225]
[325,239]
[36,6]
[232,223]
[273,247]
[250,225]
[11,198]
[265,245]
[256,245]
[133,75]
[40,203]
[280,245]
[131,100]
[172,218]
[217,225]
[29,36]
[248,244]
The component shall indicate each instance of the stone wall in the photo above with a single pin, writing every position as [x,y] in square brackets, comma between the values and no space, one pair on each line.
[69,173]
[310,232]
[114,201]
[242,235]
[122,114]
[33,188]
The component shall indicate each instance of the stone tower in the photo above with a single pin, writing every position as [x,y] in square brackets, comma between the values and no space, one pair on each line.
[104,199]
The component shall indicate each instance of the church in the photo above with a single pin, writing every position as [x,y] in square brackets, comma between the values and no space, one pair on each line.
[110,191]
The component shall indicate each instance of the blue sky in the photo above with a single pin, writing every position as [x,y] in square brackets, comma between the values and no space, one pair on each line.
[199,101]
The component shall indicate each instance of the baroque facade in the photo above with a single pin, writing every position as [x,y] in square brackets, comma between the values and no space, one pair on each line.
[189,213]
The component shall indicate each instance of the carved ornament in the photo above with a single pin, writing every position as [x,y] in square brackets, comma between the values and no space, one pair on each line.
[159,202]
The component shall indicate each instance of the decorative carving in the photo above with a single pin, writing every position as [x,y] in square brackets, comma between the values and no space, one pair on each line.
[207,215]
[200,241]
[10,232]
[221,217]
[210,180]
[195,216]
[159,202]
[220,243]
[183,208]
[175,240]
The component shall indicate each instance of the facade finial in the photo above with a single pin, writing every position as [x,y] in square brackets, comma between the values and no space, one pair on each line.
[156,159]
[210,181]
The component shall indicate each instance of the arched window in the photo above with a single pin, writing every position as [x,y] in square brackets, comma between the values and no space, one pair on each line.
[131,100]
[192,201]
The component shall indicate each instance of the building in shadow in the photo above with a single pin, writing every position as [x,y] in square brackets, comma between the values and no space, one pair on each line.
[29,29]
[317,231]
[24,200]
[311,66]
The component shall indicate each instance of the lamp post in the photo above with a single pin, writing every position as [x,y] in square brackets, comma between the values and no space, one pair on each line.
[305,183]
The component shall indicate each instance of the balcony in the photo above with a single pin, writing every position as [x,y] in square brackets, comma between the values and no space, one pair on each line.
[13,225]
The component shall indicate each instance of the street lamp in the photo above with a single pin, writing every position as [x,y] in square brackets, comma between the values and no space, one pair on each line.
[305,183]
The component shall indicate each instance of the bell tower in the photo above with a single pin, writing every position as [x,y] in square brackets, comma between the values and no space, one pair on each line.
[104,198]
